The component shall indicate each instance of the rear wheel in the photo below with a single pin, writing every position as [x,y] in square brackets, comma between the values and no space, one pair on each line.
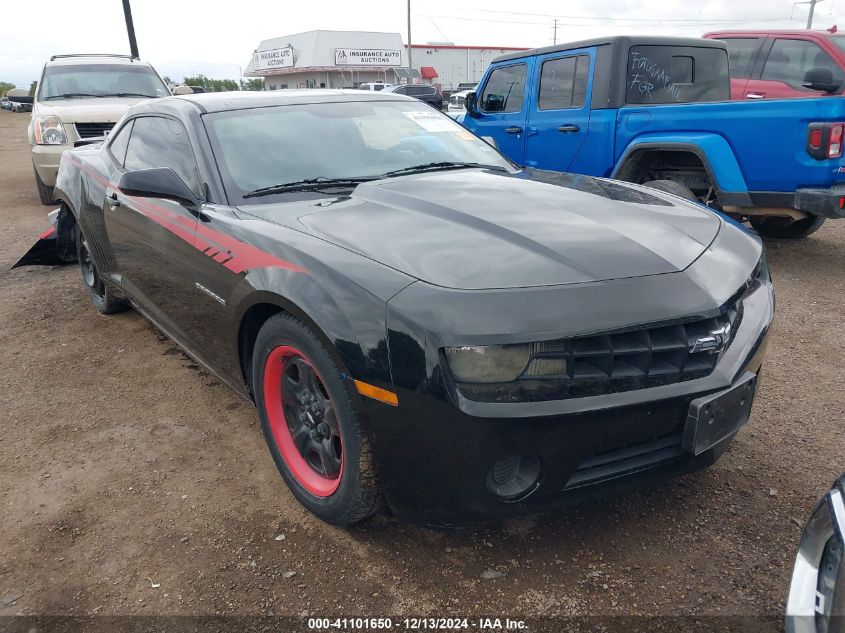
[670,186]
[44,192]
[786,228]
[310,425]
[101,296]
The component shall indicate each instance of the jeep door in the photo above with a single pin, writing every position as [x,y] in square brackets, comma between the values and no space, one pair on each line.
[503,108]
[559,109]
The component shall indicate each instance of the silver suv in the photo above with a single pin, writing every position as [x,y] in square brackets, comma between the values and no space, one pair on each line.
[81,97]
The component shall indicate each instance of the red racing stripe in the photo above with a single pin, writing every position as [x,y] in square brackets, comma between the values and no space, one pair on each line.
[235,255]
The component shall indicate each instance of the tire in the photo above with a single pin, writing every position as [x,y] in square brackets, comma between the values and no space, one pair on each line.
[786,228]
[289,356]
[44,192]
[670,186]
[101,295]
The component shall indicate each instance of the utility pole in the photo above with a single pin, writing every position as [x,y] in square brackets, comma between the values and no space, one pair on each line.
[410,56]
[130,29]
[812,4]
[555,35]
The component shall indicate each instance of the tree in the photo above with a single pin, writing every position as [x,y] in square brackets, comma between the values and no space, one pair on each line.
[212,85]
[32,88]
[252,84]
[5,87]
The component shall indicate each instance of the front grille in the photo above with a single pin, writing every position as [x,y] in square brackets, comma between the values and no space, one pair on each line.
[612,363]
[92,130]
[626,461]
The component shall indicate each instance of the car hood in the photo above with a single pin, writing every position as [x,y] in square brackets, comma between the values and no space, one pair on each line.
[478,229]
[95,110]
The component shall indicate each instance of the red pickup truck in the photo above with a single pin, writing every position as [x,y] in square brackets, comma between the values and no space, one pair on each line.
[775,64]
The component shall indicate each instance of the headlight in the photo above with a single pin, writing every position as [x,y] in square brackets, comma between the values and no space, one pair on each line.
[49,131]
[489,363]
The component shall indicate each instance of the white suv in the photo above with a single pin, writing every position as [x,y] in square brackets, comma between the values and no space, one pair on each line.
[81,97]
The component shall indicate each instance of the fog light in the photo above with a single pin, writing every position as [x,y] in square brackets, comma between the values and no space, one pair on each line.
[514,477]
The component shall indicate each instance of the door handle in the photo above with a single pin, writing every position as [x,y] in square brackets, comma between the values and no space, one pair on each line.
[569,129]
[514,129]
[113,201]
[755,95]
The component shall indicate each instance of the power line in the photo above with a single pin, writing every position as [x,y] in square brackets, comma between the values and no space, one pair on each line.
[648,20]
[569,24]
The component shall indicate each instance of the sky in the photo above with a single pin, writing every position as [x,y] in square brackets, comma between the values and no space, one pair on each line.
[185,37]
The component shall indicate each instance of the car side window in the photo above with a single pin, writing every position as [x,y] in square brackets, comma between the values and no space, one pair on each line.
[789,61]
[563,83]
[741,54]
[162,142]
[120,141]
[505,89]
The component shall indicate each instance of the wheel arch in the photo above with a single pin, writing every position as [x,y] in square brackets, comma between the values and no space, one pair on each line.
[710,151]
[338,337]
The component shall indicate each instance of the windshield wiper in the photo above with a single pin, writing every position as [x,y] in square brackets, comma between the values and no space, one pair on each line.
[310,184]
[442,165]
[70,95]
[132,94]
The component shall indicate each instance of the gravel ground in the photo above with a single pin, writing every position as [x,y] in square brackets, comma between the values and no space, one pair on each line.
[133,482]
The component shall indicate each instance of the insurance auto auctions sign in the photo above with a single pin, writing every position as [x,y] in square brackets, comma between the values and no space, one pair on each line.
[274,58]
[367,57]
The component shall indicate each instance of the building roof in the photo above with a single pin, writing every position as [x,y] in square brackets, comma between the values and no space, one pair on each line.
[315,49]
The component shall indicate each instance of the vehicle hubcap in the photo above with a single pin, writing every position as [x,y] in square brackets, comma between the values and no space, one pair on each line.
[303,421]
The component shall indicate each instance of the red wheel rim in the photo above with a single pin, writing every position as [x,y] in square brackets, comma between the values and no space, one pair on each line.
[303,420]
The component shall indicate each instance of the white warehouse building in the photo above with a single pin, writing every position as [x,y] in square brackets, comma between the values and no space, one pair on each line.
[346,59]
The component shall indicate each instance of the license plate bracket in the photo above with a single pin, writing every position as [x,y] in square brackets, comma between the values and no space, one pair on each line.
[714,418]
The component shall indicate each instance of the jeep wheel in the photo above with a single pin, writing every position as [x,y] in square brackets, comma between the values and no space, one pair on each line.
[786,228]
[670,186]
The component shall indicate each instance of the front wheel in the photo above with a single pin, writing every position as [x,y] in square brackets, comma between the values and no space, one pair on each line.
[101,296]
[310,425]
[786,228]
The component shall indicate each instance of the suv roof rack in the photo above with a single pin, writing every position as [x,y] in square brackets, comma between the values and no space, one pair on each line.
[132,57]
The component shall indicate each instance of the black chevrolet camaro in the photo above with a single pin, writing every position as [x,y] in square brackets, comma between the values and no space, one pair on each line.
[419,322]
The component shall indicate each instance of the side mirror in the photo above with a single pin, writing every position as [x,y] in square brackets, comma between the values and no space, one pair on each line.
[471,104]
[821,79]
[161,182]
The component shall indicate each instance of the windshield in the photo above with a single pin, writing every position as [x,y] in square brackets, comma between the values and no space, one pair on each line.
[100,80]
[839,40]
[265,147]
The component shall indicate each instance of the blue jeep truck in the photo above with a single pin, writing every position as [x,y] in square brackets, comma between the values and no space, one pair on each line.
[656,111]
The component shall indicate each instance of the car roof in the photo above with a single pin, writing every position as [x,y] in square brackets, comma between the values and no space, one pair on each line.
[645,40]
[93,58]
[758,32]
[225,101]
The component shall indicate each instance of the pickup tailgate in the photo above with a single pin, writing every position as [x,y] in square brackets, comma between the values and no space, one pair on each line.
[768,138]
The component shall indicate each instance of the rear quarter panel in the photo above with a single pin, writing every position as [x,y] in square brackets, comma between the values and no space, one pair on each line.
[767,139]
[81,184]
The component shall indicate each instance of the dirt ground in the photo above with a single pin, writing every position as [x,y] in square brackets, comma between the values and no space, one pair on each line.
[133,482]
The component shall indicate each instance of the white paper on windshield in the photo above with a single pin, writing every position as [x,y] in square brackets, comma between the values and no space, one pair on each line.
[431,121]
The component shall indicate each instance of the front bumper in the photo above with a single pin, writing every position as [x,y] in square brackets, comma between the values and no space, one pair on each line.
[826,203]
[436,450]
[46,159]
